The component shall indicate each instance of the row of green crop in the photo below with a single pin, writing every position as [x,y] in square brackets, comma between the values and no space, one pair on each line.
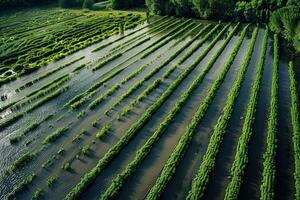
[139,98]
[28,129]
[296,128]
[32,60]
[80,99]
[156,29]
[78,68]
[54,136]
[102,46]
[184,36]
[108,60]
[103,131]
[201,179]
[176,156]
[268,174]
[241,156]
[21,186]
[89,177]
[22,161]
[37,104]
[42,91]
[161,66]
[53,95]
[47,85]
[178,25]
[36,93]
[117,183]
[49,73]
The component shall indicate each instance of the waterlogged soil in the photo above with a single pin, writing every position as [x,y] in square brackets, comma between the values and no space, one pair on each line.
[139,183]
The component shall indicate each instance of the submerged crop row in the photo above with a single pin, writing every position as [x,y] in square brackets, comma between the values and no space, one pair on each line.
[296,128]
[267,184]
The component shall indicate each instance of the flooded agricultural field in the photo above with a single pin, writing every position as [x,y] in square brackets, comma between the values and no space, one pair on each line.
[166,108]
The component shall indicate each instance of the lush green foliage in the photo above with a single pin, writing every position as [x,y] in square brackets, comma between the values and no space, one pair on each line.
[287,22]
[21,186]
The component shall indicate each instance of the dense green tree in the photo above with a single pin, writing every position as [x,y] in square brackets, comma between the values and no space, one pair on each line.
[88,4]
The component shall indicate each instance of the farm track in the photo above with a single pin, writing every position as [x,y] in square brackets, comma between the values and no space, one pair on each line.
[114,116]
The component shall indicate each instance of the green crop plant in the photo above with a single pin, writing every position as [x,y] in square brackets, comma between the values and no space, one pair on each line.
[104,131]
[55,135]
[23,161]
[51,180]
[38,193]
[66,166]
[22,185]
[267,183]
